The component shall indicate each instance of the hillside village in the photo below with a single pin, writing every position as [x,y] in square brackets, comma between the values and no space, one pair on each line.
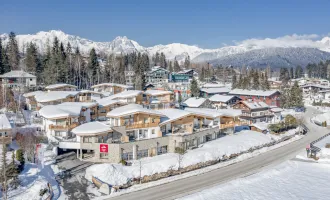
[149,123]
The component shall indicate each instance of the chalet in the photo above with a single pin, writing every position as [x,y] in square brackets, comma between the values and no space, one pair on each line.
[190,72]
[157,76]
[31,102]
[194,102]
[129,97]
[253,112]
[313,89]
[55,97]
[277,114]
[179,78]
[89,96]
[59,120]
[270,97]
[15,79]
[209,92]
[111,88]
[223,101]
[105,105]
[158,99]
[274,84]
[180,90]
[61,87]
[6,130]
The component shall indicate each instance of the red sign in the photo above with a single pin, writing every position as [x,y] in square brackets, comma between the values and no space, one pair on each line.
[103,148]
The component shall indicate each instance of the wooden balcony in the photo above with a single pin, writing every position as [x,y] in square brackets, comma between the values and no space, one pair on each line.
[233,124]
[140,125]
[63,127]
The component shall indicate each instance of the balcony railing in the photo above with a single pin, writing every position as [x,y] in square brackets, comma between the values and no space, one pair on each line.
[140,125]
[62,127]
[233,124]
[5,140]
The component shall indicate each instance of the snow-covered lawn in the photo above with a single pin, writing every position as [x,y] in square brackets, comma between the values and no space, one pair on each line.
[116,174]
[287,181]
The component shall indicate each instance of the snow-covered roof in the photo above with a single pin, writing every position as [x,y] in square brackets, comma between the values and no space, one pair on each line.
[156,68]
[221,98]
[131,109]
[60,111]
[173,115]
[194,102]
[91,128]
[90,91]
[59,85]
[261,125]
[4,122]
[31,94]
[276,109]
[157,92]
[81,104]
[112,84]
[315,85]
[17,74]
[265,93]
[215,90]
[185,71]
[126,94]
[255,105]
[54,95]
[107,101]
[213,85]
[216,113]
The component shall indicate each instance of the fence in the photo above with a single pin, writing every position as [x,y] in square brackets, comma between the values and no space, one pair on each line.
[317,149]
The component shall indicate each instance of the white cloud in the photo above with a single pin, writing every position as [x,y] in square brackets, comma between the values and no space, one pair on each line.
[294,40]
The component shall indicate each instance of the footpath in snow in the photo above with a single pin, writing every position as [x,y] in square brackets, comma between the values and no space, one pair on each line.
[117,174]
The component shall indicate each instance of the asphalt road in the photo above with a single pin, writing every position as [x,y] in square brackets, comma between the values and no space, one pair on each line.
[197,183]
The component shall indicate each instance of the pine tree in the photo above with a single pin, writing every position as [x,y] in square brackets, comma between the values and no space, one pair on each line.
[12,52]
[194,88]
[187,62]
[291,73]
[32,61]
[170,67]
[265,84]
[234,82]
[4,175]
[176,66]
[202,75]
[93,67]
[255,79]
[296,97]
[240,82]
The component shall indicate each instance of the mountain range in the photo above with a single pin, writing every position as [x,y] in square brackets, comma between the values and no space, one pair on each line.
[253,52]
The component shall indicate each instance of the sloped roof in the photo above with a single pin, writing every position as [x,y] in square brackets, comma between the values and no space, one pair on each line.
[194,102]
[126,94]
[60,111]
[172,115]
[82,104]
[255,105]
[107,101]
[91,128]
[221,98]
[157,92]
[213,85]
[54,95]
[215,90]
[216,113]
[4,122]
[59,85]
[17,74]
[31,94]
[112,84]
[131,109]
[253,92]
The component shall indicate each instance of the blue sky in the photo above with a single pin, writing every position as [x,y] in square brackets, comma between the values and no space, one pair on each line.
[208,24]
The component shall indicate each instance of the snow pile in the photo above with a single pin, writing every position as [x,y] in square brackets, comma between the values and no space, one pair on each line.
[115,174]
[286,134]
[322,118]
[325,154]
[287,181]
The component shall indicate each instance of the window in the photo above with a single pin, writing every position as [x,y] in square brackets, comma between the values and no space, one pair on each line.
[153,120]
[104,155]
[145,120]
[153,131]
[30,79]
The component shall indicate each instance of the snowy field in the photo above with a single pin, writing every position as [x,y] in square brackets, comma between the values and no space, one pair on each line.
[117,174]
[287,181]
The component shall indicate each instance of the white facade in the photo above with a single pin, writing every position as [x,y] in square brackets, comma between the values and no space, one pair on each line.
[15,79]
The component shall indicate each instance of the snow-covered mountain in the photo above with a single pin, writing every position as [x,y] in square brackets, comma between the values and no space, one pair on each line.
[174,50]
[275,57]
